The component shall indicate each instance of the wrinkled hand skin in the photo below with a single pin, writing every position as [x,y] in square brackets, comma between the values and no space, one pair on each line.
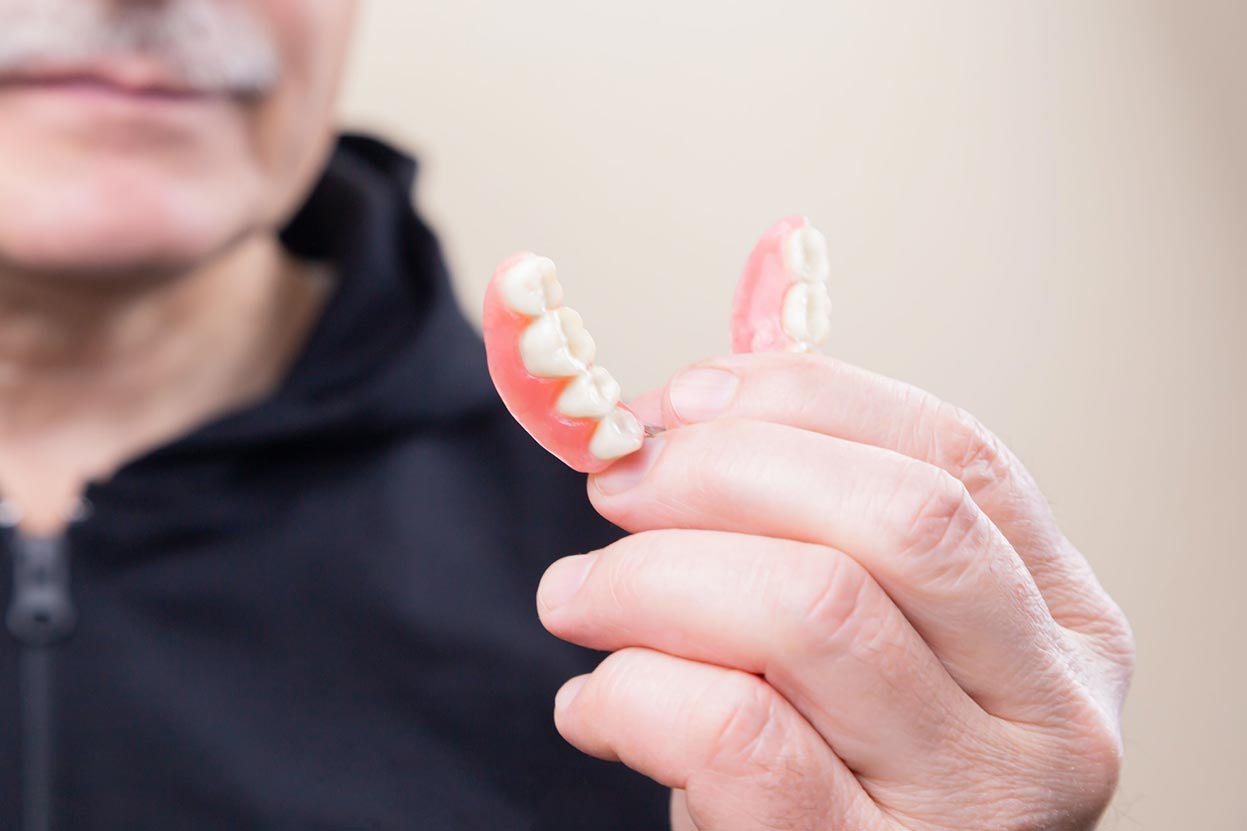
[844,605]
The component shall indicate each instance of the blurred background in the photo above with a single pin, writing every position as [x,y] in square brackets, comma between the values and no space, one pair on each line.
[1036,210]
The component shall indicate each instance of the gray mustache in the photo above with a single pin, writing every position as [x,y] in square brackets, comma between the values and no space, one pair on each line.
[208,45]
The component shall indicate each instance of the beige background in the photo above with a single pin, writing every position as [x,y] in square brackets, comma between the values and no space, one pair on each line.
[1038,211]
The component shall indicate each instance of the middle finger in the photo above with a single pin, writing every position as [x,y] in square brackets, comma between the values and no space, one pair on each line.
[913,527]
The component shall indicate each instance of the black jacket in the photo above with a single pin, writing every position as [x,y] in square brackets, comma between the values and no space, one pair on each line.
[318,613]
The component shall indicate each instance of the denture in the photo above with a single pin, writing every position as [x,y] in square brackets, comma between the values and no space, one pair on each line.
[541,360]
[782,304]
[541,356]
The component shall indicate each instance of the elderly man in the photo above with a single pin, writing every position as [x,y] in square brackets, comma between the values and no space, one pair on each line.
[273,538]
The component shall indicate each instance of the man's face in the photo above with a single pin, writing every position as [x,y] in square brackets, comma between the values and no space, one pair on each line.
[141,137]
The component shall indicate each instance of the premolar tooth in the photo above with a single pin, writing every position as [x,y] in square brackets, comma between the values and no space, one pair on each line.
[805,255]
[591,394]
[807,313]
[556,345]
[531,286]
[618,434]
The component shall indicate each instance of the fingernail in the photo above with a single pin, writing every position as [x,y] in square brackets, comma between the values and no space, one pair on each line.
[628,472]
[567,693]
[563,579]
[702,393]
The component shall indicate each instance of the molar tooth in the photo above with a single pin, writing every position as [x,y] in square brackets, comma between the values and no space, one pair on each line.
[618,434]
[591,394]
[807,313]
[544,349]
[531,286]
[578,338]
[805,255]
[556,344]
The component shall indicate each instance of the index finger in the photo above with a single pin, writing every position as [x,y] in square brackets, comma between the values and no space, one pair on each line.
[823,395]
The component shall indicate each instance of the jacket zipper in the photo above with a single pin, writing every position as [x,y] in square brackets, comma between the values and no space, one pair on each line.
[41,614]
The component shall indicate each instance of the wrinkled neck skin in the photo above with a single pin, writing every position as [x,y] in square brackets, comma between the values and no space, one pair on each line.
[94,372]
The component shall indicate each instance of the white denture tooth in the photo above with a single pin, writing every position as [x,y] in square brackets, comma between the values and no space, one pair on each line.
[545,351]
[618,434]
[579,341]
[592,394]
[805,255]
[807,313]
[531,286]
[557,345]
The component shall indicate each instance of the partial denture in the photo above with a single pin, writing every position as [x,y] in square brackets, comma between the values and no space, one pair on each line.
[541,356]
[782,304]
[541,360]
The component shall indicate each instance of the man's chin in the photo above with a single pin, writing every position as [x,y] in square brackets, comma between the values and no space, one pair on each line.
[115,235]
[115,267]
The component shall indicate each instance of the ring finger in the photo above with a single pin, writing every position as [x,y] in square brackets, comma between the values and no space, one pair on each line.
[744,756]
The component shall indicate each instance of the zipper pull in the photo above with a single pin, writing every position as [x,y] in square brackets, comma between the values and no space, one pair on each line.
[42,610]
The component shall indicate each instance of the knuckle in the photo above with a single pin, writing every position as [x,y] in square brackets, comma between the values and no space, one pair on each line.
[1125,653]
[1117,634]
[1103,633]
[1104,753]
[742,723]
[1094,754]
[1115,642]
[967,449]
[1066,772]
[937,517]
[829,609]
[758,740]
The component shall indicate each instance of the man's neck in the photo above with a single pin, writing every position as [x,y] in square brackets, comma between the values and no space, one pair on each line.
[92,375]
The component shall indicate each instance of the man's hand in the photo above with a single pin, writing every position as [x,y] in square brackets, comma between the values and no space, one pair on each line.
[845,605]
